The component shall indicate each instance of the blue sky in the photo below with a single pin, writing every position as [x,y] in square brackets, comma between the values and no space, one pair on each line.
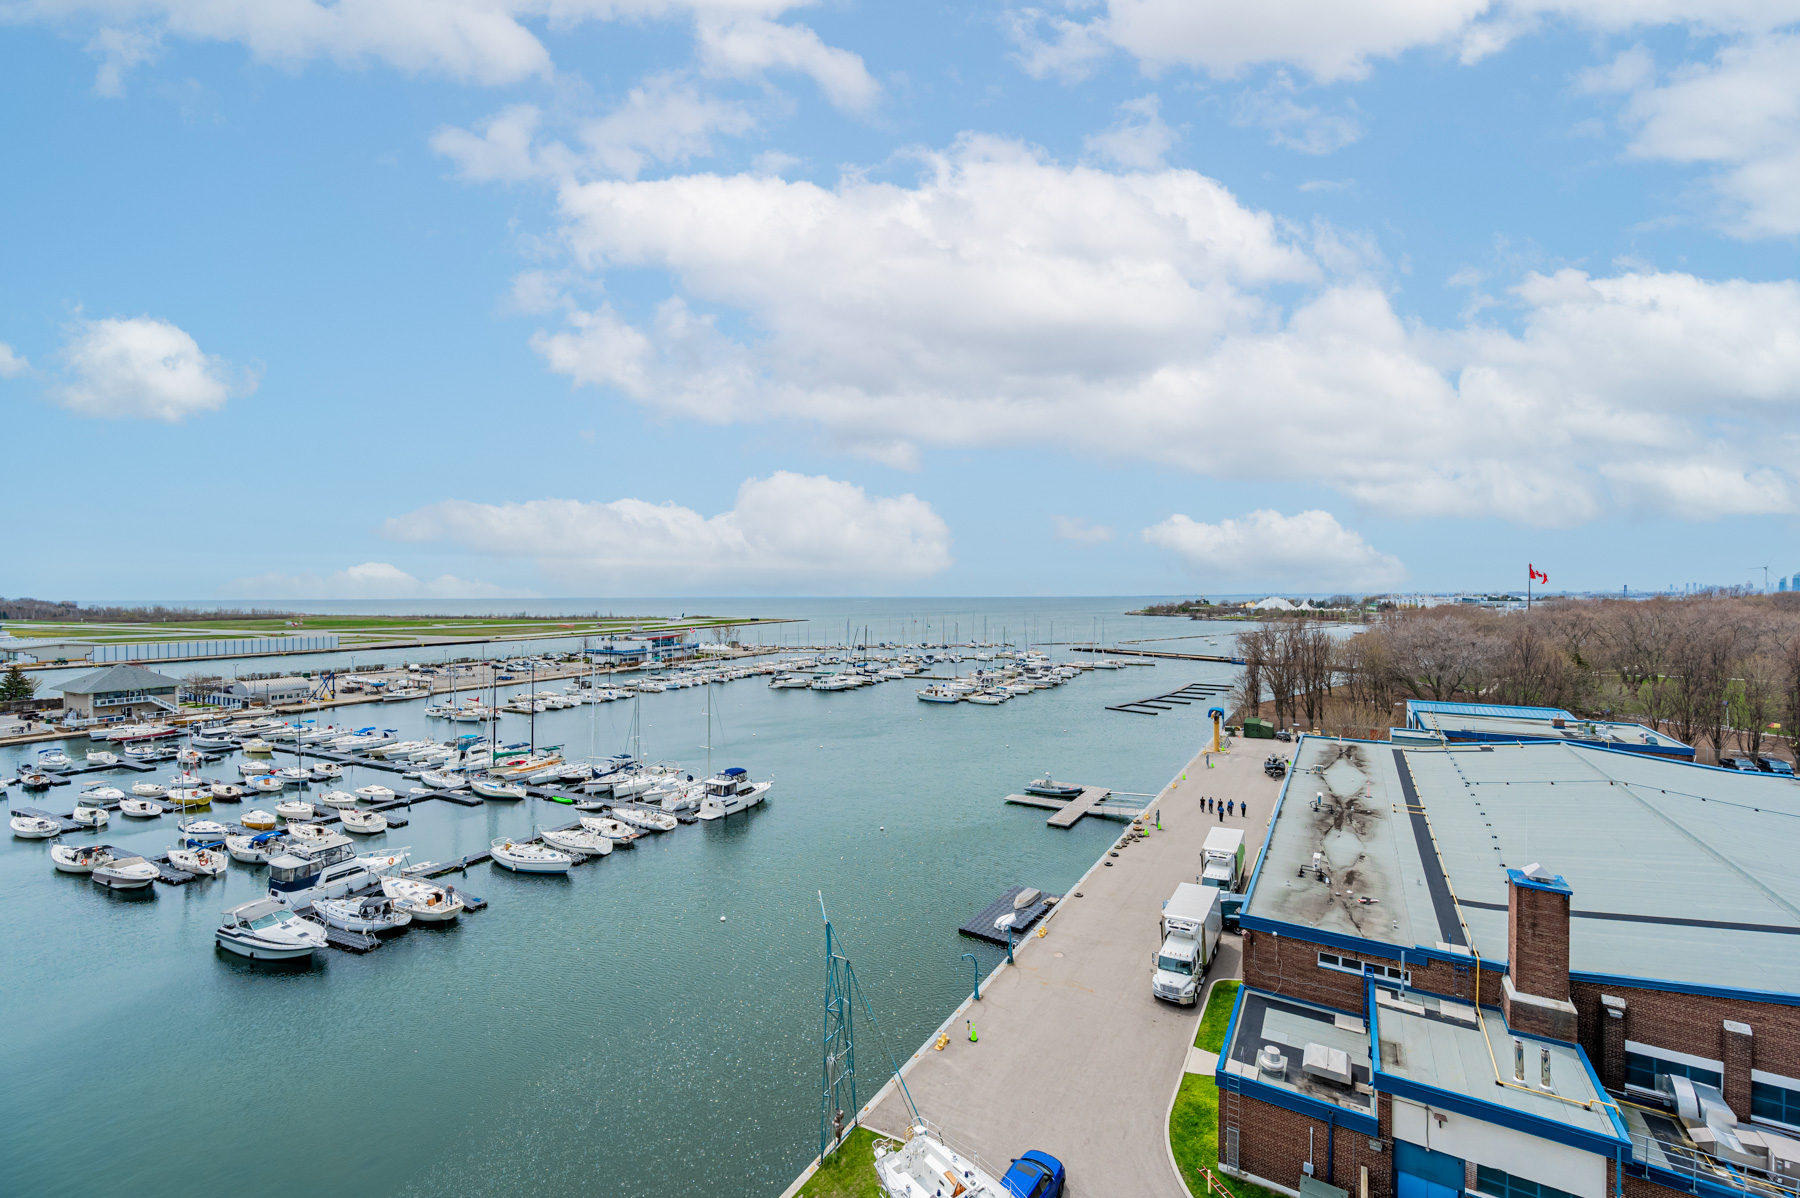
[615,297]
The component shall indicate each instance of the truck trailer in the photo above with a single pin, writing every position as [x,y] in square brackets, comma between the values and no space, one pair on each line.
[1190,932]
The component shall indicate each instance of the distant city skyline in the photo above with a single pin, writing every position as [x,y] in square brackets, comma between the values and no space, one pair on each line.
[494,299]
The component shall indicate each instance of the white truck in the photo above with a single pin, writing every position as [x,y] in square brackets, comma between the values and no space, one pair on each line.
[1190,932]
[1222,858]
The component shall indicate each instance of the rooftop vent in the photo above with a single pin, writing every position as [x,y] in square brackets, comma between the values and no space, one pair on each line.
[1272,1061]
[1326,1064]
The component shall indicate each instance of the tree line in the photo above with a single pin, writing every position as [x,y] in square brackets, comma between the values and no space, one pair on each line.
[1719,670]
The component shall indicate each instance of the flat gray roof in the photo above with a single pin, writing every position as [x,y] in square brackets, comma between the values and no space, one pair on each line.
[1290,1025]
[1438,1043]
[1498,722]
[1680,872]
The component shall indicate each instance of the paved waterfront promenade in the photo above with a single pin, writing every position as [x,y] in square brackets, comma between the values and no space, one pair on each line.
[1075,1057]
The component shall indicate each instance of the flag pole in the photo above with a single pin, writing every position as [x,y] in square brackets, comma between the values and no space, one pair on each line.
[1528,573]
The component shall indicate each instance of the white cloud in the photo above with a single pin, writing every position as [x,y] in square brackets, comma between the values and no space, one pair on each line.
[1078,530]
[1138,139]
[371,580]
[663,120]
[487,42]
[789,531]
[1330,40]
[146,369]
[12,364]
[1310,549]
[742,47]
[1006,299]
[1306,128]
[1741,114]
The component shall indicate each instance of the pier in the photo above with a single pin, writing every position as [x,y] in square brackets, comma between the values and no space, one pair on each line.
[1093,800]
[1193,692]
[1075,1056]
[1230,661]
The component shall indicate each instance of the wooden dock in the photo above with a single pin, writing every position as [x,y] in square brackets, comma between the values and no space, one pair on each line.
[1093,800]
[1193,692]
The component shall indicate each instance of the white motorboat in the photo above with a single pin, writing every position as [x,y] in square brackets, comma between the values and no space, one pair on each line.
[489,788]
[374,794]
[364,823]
[295,809]
[102,757]
[790,682]
[523,858]
[256,745]
[141,808]
[253,850]
[89,815]
[987,698]
[832,682]
[226,792]
[311,833]
[213,743]
[651,821]
[729,792]
[267,784]
[102,794]
[939,694]
[125,873]
[35,827]
[189,797]
[327,771]
[258,820]
[923,1167]
[52,759]
[292,775]
[440,780]
[325,868]
[612,829]
[338,798]
[185,780]
[202,831]
[252,769]
[426,902]
[70,859]
[375,914]
[264,930]
[149,790]
[209,862]
[383,862]
[577,840]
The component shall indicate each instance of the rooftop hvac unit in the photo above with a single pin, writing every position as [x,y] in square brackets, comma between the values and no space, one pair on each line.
[1272,1061]
[1326,1064]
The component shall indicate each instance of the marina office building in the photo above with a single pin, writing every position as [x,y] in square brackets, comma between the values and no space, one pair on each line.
[123,691]
[1519,970]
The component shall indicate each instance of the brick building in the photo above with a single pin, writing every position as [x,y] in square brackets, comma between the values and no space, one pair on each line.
[1524,970]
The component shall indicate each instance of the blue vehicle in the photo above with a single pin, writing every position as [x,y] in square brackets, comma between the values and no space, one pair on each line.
[1775,765]
[1034,1175]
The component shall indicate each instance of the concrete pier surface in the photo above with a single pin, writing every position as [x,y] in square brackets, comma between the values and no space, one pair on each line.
[1075,1057]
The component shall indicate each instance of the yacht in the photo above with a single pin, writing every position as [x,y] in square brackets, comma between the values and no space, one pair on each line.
[426,902]
[653,821]
[731,791]
[529,858]
[939,694]
[69,859]
[218,743]
[490,788]
[922,1166]
[264,930]
[782,682]
[375,914]
[125,873]
[52,759]
[322,869]
[577,840]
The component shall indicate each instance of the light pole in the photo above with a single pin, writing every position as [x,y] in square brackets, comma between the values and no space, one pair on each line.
[975,968]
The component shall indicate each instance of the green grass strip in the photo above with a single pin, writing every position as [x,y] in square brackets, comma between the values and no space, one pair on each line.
[850,1171]
[1194,1121]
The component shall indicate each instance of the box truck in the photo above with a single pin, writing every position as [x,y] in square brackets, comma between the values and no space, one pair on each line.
[1222,858]
[1190,932]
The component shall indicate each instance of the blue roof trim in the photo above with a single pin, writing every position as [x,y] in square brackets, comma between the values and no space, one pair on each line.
[1499,710]
[1237,1005]
[1489,1112]
[1682,1182]
[1373,948]
[1467,736]
[1775,997]
[1300,1104]
[1269,832]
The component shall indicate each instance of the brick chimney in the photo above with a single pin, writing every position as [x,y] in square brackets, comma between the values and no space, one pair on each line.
[1535,993]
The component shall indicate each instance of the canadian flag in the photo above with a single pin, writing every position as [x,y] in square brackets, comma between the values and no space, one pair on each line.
[1536,574]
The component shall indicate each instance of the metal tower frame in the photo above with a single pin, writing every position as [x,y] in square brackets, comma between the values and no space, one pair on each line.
[839,1044]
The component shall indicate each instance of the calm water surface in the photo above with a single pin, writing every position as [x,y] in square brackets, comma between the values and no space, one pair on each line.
[600,1033]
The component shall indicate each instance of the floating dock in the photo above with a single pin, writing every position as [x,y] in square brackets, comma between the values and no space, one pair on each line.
[1093,800]
[1193,692]
[982,926]
[1230,661]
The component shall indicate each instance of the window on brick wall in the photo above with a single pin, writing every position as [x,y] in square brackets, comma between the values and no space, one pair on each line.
[1641,1071]
[1496,1184]
[1775,1103]
[1375,969]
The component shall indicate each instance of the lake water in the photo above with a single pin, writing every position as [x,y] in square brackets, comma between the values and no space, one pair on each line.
[599,1033]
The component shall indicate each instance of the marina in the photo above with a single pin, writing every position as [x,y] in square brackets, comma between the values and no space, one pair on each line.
[887,803]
